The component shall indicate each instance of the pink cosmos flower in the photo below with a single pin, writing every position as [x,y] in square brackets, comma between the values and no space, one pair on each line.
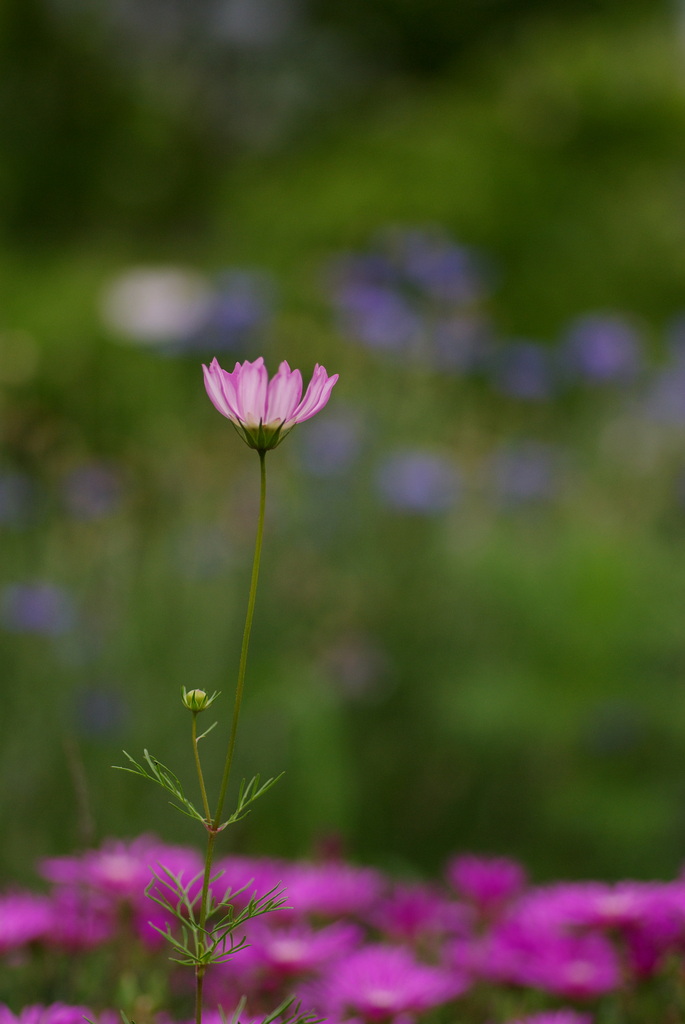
[418,913]
[332,889]
[381,982]
[299,948]
[24,917]
[488,882]
[263,411]
[55,1013]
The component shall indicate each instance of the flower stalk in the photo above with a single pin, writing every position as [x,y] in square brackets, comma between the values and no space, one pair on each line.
[214,825]
[263,412]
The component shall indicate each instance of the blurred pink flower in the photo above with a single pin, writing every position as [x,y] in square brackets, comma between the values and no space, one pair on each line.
[263,411]
[55,1013]
[331,890]
[417,912]
[488,882]
[24,917]
[383,982]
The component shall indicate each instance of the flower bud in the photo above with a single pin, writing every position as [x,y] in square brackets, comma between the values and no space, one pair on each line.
[196,700]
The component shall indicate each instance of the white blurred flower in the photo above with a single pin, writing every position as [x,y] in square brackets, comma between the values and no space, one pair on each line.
[153,305]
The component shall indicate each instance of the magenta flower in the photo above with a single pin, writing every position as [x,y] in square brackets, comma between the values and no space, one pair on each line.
[55,1013]
[299,948]
[263,411]
[333,889]
[381,982]
[488,882]
[24,917]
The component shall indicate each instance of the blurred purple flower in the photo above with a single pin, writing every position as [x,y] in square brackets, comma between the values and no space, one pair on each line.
[17,498]
[525,370]
[526,471]
[36,608]
[92,490]
[664,398]
[602,349]
[100,712]
[331,450]
[202,551]
[462,343]
[389,298]
[237,313]
[443,270]
[378,316]
[420,482]
[675,338]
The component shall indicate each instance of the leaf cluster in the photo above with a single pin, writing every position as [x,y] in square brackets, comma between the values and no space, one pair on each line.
[201,944]
[154,770]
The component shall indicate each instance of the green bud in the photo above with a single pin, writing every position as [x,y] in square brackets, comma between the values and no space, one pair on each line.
[197,700]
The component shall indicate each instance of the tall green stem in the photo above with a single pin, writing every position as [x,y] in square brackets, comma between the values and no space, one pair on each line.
[246,642]
[198,768]
[214,825]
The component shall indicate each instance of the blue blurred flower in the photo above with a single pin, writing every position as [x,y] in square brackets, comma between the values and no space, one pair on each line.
[332,448]
[525,472]
[92,490]
[664,398]
[201,551]
[43,608]
[391,297]
[462,343]
[100,711]
[179,311]
[441,269]
[526,370]
[377,315]
[17,499]
[237,313]
[602,349]
[419,481]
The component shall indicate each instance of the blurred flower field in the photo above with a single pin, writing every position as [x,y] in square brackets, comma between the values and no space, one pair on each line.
[470,629]
[351,943]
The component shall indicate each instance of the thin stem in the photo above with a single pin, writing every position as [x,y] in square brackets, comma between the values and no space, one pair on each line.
[246,642]
[198,766]
[199,984]
[214,824]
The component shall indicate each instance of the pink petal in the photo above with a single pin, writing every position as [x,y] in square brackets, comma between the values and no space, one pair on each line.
[285,391]
[316,396]
[214,383]
[251,384]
